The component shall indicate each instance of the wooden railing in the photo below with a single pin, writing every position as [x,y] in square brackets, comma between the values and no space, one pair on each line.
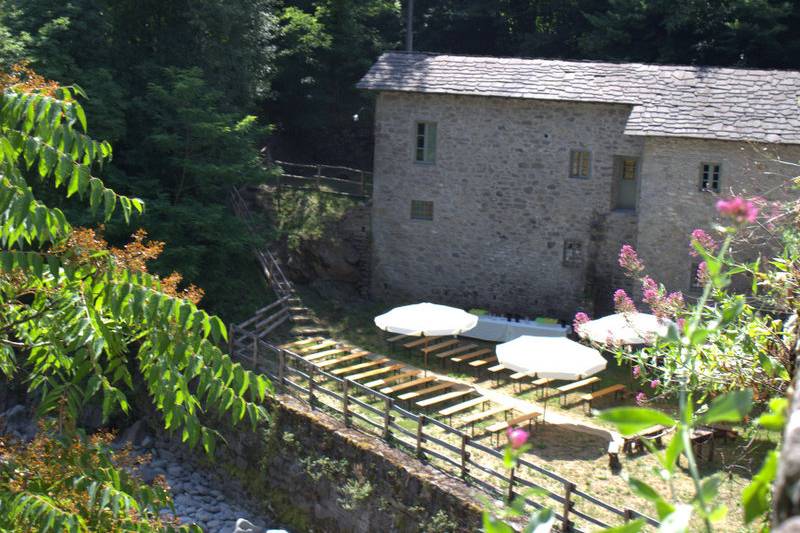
[447,448]
[325,178]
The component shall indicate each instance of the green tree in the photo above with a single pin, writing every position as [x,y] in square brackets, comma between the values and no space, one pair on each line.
[80,328]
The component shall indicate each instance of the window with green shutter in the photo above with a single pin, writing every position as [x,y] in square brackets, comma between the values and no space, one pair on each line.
[425,147]
[580,164]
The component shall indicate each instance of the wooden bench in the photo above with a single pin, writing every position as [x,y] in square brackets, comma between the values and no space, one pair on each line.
[301,342]
[495,372]
[326,353]
[376,372]
[496,429]
[442,385]
[360,366]
[408,385]
[315,347]
[564,390]
[483,415]
[391,379]
[420,341]
[518,377]
[471,355]
[631,443]
[457,350]
[439,346]
[469,404]
[343,359]
[396,338]
[591,396]
[483,362]
[445,397]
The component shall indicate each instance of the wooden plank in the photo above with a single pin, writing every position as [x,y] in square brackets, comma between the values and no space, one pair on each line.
[500,426]
[301,342]
[439,346]
[408,385]
[471,355]
[483,415]
[577,385]
[396,338]
[355,355]
[497,368]
[360,366]
[319,346]
[424,392]
[418,342]
[444,397]
[469,404]
[392,379]
[326,353]
[602,392]
[483,362]
[457,350]
[376,372]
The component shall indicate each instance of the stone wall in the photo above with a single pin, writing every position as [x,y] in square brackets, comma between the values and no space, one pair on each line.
[672,205]
[503,202]
[317,475]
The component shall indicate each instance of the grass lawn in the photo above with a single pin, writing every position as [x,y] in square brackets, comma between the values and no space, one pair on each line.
[575,455]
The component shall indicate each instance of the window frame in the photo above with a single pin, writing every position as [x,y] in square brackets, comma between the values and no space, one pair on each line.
[710,180]
[419,210]
[429,142]
[567,259]
[619,177]
[572,157]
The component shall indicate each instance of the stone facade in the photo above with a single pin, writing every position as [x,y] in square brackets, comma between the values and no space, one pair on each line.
[504,203]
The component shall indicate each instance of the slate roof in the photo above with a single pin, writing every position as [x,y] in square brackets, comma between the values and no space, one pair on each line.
[666,100]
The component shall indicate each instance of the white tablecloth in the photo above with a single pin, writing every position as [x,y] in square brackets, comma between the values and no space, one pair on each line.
[499,329]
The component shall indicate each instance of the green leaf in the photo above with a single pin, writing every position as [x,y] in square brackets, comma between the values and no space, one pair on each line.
[631,420]
[678,520]
[756,495]
[631,527]
[730,407]
[673,451]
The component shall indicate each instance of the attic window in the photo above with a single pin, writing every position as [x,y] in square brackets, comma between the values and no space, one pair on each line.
[573,253]
[580,164]
[709,177]
[421,210]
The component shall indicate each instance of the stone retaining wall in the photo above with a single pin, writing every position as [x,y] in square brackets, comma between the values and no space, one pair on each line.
[318,475]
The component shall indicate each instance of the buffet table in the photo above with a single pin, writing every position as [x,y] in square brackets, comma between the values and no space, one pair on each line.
[501,329]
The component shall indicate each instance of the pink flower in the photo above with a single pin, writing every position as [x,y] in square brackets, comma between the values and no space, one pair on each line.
[702,273]
[705,241]
[636,371]
[681,323]
[650,295]
[580,319]
[629,260]
[517,437]
[739,209]
[623,302]
[655,383]
[649,284]
[641,398]
[674,301]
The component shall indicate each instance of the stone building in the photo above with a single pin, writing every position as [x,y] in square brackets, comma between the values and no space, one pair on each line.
[510,184]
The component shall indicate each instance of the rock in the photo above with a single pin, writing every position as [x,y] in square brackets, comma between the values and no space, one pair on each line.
[135,434]
[244,526]
[18,422]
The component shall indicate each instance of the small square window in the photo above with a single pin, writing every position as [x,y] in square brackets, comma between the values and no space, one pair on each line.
[425,142]
[573,253]
[709,177]
[580,164]
[421,210]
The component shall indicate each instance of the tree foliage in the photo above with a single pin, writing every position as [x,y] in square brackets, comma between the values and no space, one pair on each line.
[79,322]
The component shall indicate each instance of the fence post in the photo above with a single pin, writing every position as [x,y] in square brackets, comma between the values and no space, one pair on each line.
[628,515]
[255,352]
[420,425]
[566,525]
[387,418]
[464,455]
[281,368]
[319,177]
[311,371]
[231,334]
[345,402]
[363,183]
[510,495]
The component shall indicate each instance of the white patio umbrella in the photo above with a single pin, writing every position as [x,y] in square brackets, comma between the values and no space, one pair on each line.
[624,328]
[550,357]
[426,320]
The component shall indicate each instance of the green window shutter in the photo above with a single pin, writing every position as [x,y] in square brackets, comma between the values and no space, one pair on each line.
[430,145]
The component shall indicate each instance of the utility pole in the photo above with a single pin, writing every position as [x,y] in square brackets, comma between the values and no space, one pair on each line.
[409,25]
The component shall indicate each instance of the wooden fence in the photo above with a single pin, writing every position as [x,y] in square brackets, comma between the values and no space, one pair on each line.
[325,178]
[451,450]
